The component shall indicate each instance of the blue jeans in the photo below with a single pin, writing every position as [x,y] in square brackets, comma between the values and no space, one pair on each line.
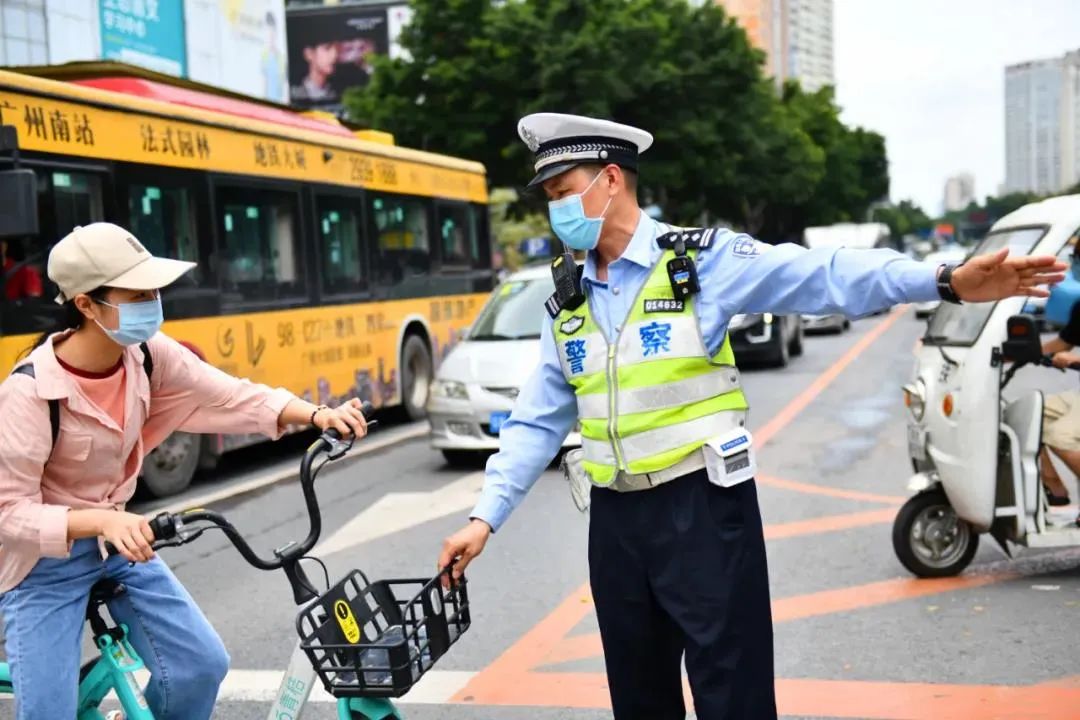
[44,617]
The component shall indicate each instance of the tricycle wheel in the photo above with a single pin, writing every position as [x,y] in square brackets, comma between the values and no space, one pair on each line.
[930,539]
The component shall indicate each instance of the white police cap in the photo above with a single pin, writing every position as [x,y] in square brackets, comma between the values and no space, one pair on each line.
[562,142]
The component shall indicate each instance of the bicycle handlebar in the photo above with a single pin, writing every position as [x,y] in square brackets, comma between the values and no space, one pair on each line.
[170,529]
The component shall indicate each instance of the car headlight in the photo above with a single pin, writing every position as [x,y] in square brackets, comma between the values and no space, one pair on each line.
[915,399]
[451,389]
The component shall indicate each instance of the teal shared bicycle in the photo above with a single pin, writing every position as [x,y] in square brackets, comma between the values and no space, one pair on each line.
[366,642]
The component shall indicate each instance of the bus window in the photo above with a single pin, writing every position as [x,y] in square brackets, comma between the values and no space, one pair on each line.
[66,198]
[457,233]
[404,244]
[340,238]
[76,200]
[163,219]
[261,253]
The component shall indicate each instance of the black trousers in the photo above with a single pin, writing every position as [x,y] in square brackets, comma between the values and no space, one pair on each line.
[676,569]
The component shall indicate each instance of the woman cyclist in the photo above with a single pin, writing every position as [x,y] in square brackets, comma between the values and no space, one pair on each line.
[58,504]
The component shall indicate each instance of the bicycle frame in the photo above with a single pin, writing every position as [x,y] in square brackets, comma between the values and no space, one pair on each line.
[114,670]
[295,691]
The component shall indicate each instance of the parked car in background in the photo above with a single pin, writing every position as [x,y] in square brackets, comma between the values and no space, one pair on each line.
[947,254]
[475,387]
[834,323]
[765,339]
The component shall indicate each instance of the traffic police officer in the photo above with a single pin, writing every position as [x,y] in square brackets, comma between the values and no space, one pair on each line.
[637,349]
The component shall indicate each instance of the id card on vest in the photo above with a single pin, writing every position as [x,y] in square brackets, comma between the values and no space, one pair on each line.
[729,458]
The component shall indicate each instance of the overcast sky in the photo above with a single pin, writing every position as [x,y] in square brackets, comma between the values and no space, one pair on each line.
[929,75]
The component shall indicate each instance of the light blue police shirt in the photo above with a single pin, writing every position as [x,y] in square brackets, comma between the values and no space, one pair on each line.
[737,275]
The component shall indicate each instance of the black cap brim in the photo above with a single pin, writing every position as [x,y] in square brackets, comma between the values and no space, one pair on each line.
[552,170]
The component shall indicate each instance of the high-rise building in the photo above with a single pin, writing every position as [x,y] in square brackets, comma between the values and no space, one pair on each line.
[959,192]
[1070,120]
[1042,124]
[809,42]
[796,35]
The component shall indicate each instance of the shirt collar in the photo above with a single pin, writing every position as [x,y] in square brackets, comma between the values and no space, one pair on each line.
[641,251]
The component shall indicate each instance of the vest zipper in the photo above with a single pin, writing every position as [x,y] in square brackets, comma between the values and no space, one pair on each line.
[613,403]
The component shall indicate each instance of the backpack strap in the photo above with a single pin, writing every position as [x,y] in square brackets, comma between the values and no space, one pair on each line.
[147,360]
[54,404]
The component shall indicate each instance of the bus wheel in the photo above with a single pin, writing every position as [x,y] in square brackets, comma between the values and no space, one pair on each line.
[171,466]
[416,372]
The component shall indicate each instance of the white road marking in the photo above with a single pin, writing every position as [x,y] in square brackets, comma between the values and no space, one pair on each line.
[378,442]
[435,688]
[394,512]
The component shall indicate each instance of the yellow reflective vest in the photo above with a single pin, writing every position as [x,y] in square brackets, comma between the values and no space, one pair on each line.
[652,395]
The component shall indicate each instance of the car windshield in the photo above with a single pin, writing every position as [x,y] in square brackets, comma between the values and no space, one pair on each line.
[515,311]
[962,324]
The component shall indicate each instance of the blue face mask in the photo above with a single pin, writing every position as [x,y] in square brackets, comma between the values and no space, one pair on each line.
[570,223]
[138,321]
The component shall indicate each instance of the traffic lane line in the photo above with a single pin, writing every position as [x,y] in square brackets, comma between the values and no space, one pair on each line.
[366,446]
[435,688]
[799,403]
[815,489]
[865,700]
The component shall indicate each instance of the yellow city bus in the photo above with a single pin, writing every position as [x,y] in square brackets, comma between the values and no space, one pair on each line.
[331,261]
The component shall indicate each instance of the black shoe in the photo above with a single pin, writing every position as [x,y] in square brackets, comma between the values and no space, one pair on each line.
[1056,500]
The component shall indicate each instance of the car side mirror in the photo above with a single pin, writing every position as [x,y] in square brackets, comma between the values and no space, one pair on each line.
[1022,343]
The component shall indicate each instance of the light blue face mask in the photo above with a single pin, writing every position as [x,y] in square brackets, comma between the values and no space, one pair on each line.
[571,225]
[139,321]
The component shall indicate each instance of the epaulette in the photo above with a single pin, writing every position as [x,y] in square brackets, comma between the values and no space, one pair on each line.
[552,306]
[695,238]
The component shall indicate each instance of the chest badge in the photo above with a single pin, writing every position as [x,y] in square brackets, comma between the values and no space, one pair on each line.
[660,305]
[571,326]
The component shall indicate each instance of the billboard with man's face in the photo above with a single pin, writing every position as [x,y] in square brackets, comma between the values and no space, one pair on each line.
[330,50]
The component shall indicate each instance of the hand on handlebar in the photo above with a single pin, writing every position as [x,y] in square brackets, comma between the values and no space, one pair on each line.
[1066,360]
[348,419]
[128,534]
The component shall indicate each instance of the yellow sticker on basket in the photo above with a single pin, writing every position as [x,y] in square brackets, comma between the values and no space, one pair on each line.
[347,621]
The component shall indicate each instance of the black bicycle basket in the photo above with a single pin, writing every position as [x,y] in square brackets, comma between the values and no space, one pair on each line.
[378,639]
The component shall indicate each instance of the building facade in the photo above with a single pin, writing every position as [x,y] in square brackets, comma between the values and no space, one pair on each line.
[796,35]
[959,192]
[234,44]
[1042,125]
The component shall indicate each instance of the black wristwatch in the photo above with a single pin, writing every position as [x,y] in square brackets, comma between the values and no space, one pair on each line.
[944,285]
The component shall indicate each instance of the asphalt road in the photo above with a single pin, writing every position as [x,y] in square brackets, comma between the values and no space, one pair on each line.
[856,637]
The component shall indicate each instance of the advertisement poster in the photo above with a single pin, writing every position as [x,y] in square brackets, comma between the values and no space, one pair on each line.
[239,45]
[148,33]
[330,50]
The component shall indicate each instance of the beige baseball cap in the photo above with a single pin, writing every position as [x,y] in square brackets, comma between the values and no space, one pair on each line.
[107,255]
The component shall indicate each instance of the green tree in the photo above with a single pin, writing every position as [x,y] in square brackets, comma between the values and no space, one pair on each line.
[725,148]
[905,218]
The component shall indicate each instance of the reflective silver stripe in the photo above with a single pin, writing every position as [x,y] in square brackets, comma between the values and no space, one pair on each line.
[595,359]
[651,340]
[654,442]
[661,397]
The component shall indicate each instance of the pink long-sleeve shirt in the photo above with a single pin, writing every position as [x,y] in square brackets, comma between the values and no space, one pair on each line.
[90,466]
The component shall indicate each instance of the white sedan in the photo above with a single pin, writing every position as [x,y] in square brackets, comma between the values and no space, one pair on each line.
[478,382]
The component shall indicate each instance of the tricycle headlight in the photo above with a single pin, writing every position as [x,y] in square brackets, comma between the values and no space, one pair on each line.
[450,389]
[915,399]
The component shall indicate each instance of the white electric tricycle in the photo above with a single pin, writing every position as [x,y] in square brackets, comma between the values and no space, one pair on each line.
[976,454]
